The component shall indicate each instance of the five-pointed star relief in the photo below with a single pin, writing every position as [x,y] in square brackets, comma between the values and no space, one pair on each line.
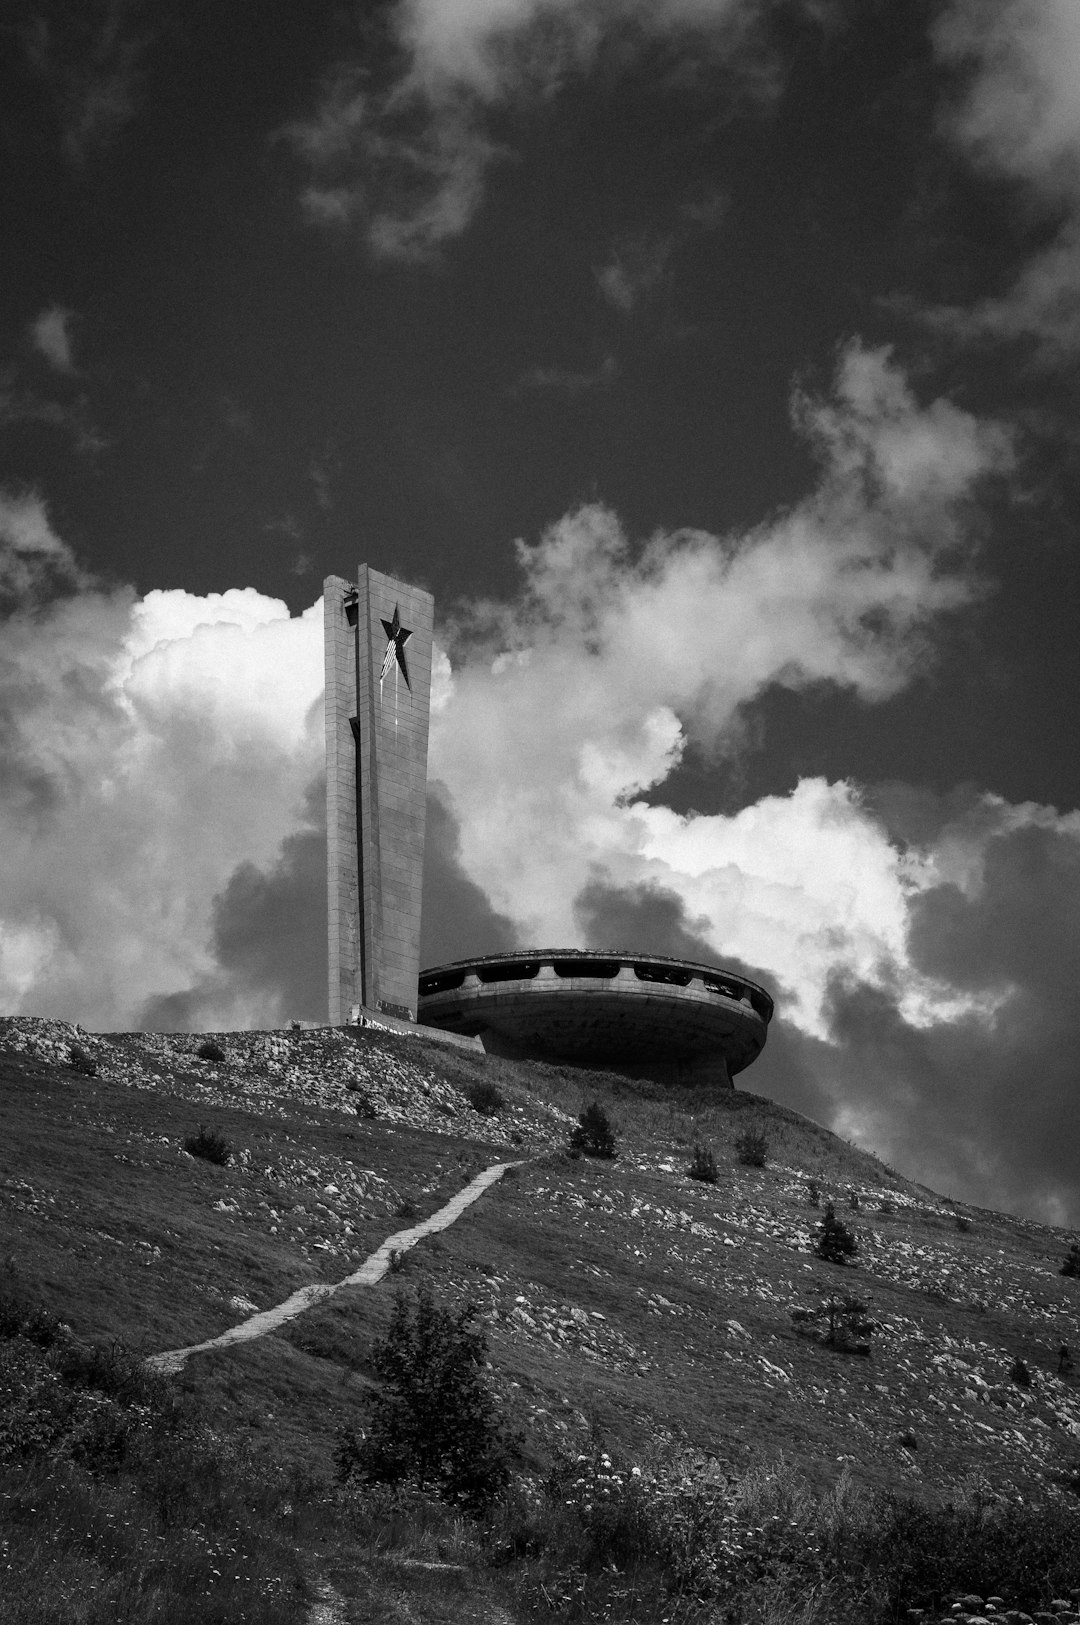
[398,636]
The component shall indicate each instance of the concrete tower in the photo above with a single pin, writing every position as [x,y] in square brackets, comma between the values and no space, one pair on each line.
[378,689]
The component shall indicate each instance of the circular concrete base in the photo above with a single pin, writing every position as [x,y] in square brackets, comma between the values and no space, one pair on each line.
[638,1014]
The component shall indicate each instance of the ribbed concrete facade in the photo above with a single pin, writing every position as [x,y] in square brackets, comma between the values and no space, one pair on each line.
[378,692]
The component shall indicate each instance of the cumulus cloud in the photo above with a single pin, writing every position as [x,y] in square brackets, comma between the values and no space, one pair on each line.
[50,334]
[148,749]
[87,54]
[619,655]
[1019,117]
[406,164]
[34,562]
[633,269]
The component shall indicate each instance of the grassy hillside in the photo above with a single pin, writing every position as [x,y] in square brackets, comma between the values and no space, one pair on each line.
[629,1309]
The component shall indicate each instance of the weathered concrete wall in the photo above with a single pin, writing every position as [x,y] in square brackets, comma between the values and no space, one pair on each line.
[378,691]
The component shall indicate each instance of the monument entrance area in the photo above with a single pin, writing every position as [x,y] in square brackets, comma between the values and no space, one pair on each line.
[378,692]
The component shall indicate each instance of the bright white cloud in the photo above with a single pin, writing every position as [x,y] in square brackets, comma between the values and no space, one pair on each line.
[149,748]
[1020,117]
[51,336]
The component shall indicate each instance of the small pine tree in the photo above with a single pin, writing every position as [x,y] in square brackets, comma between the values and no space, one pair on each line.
[209,1145]
[703,1166]
[595,1132]
[835,1242]
[813,1192]
[435,1419]
[752,1148]
[80,1060]
[848,1327]
[485,1097]
[1071,1265]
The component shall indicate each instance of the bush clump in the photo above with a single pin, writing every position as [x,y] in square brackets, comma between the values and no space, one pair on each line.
[362,1103]
[594,1133]
[485,1097]
[435,1422]
[703,1165]
[209,1145]
[80,1060]
[835,1243]
[105,1472]
[752,1148]
[210,1050]
[1071,1265]
[841,1322]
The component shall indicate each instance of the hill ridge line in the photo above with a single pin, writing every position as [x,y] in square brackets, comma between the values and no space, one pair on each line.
[370,1273]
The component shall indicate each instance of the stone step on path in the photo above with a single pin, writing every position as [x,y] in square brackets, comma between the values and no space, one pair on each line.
[370,1273]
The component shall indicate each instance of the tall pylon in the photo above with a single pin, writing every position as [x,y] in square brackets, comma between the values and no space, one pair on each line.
[378,697]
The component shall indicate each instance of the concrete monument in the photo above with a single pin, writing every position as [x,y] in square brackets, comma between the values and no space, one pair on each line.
[378,689]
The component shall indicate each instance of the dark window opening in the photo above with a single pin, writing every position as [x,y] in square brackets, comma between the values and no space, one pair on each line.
[442,982]
[509,970]
[730,990]
[587,967]
[673,975]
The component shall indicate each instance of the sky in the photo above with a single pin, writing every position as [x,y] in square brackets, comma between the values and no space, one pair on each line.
[716,365]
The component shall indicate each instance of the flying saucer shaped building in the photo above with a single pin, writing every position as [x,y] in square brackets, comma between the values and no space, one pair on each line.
[637,1014]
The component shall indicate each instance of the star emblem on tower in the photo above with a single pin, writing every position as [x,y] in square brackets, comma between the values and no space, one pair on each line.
[397,637]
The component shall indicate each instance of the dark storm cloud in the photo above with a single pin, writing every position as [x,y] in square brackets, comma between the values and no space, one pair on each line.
[458,920]
[269,929]
[269,940]
[645,918]
[982,1105]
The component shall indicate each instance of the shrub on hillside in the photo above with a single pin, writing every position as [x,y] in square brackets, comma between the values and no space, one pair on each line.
[104,1477]
[80,1060]
[61,1398]
[752,1148]
[209,1145]
[813,1192]
[210,1050]
[840,1322]
[835,1243]
[594,1133]
[362,1103]
[1071,1265]
[485,1097]
[703,1166]
[434,1422]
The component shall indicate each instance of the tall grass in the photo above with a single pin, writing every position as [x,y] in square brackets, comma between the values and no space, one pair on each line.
[118,1506]
[596,1538]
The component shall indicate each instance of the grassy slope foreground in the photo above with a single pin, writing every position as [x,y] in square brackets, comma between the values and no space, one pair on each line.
[628,1308]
